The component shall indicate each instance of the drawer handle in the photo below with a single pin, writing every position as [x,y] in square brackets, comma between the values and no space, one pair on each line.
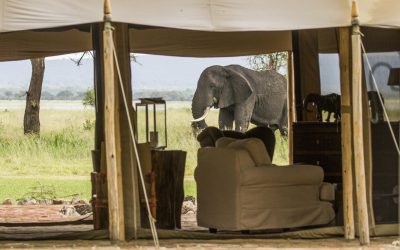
[318,163]
[317,141]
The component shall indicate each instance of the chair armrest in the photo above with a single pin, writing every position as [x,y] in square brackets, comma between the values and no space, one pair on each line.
[217,177]
[327,192]
[272,175]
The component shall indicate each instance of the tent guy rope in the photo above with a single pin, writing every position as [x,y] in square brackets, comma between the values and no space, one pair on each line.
[151,219]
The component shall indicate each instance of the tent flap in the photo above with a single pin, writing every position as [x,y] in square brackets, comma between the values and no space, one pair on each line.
[174,42]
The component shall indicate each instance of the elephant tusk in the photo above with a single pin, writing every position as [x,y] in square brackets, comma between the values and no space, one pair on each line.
[206,111]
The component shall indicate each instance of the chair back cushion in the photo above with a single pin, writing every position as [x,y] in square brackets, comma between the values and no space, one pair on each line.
[223,142]
[266,135]
[209,136]
[255,148]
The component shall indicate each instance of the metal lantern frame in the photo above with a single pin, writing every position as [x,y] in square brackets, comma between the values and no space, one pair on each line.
[146,102]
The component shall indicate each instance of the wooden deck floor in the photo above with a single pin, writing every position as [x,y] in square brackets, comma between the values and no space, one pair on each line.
[46,214]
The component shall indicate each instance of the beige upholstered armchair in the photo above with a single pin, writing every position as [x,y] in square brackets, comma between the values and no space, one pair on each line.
[238,188]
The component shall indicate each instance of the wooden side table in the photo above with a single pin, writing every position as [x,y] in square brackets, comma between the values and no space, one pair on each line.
[169,169]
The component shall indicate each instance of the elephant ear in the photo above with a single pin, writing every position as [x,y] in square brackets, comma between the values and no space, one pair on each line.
[236,89]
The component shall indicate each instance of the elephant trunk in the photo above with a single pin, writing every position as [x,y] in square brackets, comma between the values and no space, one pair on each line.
[198,110]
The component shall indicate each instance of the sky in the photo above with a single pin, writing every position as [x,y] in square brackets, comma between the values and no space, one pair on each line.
[161,72]
[175,72]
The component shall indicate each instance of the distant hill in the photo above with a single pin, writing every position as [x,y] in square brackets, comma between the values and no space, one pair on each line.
[171,77]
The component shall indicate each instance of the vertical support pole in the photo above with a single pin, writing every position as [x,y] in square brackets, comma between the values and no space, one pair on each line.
[309,66]
[97,41]
[114,178]
[154,118]
[128,157]
[297,76]
[147,123]
[368,155]
[358,138]
[100,213]
[347,145]
[291,104]
[165,125]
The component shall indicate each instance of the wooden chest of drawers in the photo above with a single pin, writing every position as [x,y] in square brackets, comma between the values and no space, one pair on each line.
[320,144]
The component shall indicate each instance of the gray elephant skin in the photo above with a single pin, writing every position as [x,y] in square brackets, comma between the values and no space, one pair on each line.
[243,96]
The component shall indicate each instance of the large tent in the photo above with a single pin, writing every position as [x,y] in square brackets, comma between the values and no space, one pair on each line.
[182,28]
[192,28]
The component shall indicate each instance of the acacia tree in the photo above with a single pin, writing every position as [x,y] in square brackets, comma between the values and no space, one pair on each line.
[274,61]
[32,108]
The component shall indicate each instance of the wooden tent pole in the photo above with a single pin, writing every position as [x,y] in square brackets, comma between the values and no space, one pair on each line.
[347,157]
[113,162]
[291,104]
[358,138]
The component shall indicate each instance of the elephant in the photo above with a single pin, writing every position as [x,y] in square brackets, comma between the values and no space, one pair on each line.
[375,106]
[329,103]
[243,96]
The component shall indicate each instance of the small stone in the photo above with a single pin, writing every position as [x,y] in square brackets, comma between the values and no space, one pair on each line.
[27,201]
[190,198]
[44,202]
[69,211]
[188,206]
[59,202]
[79,201]
[83,209]
[7,201]
[396,243]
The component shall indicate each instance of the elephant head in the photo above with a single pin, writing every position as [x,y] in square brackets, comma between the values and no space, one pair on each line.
[218,87]
[311,98]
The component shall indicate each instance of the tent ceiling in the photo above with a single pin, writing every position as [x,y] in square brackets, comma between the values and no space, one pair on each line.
[176,42]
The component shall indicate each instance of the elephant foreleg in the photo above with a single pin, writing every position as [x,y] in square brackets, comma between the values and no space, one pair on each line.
[243,115]
[319,115]
[225,119]
[329,116]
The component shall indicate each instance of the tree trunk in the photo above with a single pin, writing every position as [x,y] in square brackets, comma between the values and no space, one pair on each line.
[31,117]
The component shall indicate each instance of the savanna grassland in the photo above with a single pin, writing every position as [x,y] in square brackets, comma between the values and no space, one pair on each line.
[58,163]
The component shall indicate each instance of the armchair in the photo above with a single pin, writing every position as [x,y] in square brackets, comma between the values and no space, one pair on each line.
[238,188]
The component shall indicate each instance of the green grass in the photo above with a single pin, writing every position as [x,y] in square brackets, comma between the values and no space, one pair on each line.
[17,188]
[64,148]
[190,188]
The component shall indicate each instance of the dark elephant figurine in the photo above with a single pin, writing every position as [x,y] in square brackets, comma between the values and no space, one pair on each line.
[243,96]
[375,106]
[329,103]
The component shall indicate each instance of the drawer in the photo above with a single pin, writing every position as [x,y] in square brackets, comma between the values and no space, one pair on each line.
[332,164]
[317,142]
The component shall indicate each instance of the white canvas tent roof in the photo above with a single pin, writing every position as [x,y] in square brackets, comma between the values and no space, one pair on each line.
[169,27]
[205,15]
